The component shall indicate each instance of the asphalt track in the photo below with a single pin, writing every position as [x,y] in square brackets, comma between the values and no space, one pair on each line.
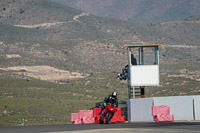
[141,127]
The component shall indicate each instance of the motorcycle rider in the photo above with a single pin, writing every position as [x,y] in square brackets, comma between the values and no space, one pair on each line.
[109,99]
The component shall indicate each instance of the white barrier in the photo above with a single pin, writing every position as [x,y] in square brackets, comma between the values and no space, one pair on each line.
[182,107]
[141,109]
[196,107]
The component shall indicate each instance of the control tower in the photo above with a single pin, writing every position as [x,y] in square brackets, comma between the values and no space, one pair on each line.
[143,64]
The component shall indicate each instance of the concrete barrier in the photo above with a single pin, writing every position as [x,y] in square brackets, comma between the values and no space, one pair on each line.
[196,107]
[141,109]
[182,107]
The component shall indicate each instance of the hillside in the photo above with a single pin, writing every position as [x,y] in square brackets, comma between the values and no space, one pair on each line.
[139,11]
[70,39]
[185,29]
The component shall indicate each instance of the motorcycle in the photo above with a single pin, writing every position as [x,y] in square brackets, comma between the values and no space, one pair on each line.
[107,113]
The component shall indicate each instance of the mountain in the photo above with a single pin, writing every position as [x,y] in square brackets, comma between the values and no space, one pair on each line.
[47,33]
[139,11]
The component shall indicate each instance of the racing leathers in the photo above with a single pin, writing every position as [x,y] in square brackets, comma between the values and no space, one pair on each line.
[109,99]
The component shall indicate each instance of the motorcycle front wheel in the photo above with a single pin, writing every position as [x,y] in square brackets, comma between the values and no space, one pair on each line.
[108,117]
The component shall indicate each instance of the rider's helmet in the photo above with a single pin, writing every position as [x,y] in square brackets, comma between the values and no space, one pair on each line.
[114,94]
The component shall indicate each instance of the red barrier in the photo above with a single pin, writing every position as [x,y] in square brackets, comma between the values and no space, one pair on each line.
[96,114]
[162,114]
[117,117]
[160,109]
[75,118]
[86,116]
[92,116]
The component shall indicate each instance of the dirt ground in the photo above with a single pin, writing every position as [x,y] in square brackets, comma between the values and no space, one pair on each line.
[45,73]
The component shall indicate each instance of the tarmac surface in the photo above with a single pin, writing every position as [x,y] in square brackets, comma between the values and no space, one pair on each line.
[137,127]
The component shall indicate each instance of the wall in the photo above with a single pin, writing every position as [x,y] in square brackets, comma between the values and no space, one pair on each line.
[182,107]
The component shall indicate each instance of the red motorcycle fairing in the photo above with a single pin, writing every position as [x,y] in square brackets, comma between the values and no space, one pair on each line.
[108,109]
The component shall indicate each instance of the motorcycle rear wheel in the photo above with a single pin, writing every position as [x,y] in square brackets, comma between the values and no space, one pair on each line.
[100,120]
